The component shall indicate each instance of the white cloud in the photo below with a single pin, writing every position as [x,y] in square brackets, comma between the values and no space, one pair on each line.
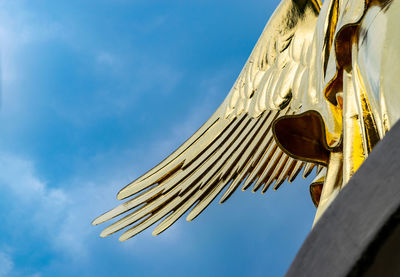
[61,217]
[51,213]
[6,264]
[106,58]
[18,31]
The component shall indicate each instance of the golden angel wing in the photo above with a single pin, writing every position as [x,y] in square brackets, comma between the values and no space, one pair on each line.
[236,145]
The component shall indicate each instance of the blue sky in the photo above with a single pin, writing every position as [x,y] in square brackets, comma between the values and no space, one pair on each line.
[94,93]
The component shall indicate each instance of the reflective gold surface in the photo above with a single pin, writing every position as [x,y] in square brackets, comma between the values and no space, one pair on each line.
[318,88]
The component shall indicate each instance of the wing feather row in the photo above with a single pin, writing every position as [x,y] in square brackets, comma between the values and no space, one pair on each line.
[243,151]
[235,147]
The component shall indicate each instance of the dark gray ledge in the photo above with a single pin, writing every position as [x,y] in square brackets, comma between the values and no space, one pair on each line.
[359,234]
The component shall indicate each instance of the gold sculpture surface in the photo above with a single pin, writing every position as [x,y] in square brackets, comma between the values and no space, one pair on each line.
[319,88]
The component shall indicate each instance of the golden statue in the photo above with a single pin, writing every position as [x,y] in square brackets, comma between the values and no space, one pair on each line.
[319,89]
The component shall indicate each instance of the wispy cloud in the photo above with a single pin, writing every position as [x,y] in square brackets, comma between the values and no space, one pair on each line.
[60,215]
[6,264]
